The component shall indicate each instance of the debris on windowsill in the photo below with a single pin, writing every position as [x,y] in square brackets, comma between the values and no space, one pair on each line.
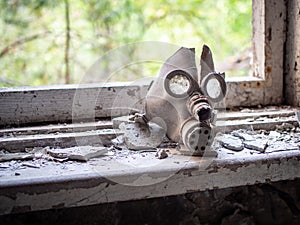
[243,135]
[231,142]
[297,114]
[118,141]
[161,154]
[80,153]
[31,165]
[242,139]
[138,136]
[285,127]
[257,145]
[260,141]
[15,156]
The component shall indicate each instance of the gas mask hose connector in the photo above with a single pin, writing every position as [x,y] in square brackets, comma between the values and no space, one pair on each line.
[197,137]
[200,107]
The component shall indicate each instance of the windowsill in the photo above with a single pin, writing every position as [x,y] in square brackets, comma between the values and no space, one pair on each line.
[101,180]
[123,175]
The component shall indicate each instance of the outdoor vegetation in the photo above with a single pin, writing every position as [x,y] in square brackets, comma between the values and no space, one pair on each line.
[45,42]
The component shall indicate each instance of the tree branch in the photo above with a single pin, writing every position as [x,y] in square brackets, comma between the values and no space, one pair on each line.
[21,41]
[68,39]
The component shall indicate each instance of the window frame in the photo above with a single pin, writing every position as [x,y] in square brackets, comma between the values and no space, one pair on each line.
[265,87]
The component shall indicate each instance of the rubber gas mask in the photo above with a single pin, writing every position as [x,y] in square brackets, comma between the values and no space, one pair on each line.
[181,99]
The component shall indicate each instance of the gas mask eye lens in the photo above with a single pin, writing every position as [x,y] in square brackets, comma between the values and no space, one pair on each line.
[214,87]
[178,84]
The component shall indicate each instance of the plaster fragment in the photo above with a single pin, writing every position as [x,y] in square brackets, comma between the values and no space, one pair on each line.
[15,156]
[81,153]
[161,154]
[119,140]
[139,136]
[243,135]
[32,165]
[258,145]
[274,134]
[285,127]
[232,143]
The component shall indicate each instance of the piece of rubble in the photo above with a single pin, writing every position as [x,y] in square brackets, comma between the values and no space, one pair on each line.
[4,166]
[285,127]
[241,134]
[139,136]
[297,114]
[138,118]
[31,165]
[274,134]
[81,153]
[119,140]
[257,145]
[15,156]
[122,119]
[231,142]
[161,154]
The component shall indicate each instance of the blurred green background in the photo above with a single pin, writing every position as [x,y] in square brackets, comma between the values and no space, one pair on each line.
[46,42]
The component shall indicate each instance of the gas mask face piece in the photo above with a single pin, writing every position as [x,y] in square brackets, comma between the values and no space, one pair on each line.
[181,100]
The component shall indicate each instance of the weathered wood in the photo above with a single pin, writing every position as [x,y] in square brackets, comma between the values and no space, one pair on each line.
[292,54]
[15,156]
[68,102]
[136,177]
[102,124]
[56,128]
[82,102]
[252,124]
[58,105]
[66,135]
[278,112]
[63,140]
[268,23]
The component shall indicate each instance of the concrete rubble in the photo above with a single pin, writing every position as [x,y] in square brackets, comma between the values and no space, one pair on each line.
[15,156]
[257,145]
[161,154]
[139,136]
[142,137]
[80,153]
[260,141]
[231,142]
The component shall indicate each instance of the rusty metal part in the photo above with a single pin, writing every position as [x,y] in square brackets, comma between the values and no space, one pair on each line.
[200,107]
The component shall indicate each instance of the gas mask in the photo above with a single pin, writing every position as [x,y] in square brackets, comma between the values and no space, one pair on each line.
[181,100]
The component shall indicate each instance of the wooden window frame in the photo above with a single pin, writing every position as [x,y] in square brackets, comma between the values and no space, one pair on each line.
[55,103]
[268,39]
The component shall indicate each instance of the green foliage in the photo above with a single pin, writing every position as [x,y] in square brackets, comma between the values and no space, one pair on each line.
[32,43]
